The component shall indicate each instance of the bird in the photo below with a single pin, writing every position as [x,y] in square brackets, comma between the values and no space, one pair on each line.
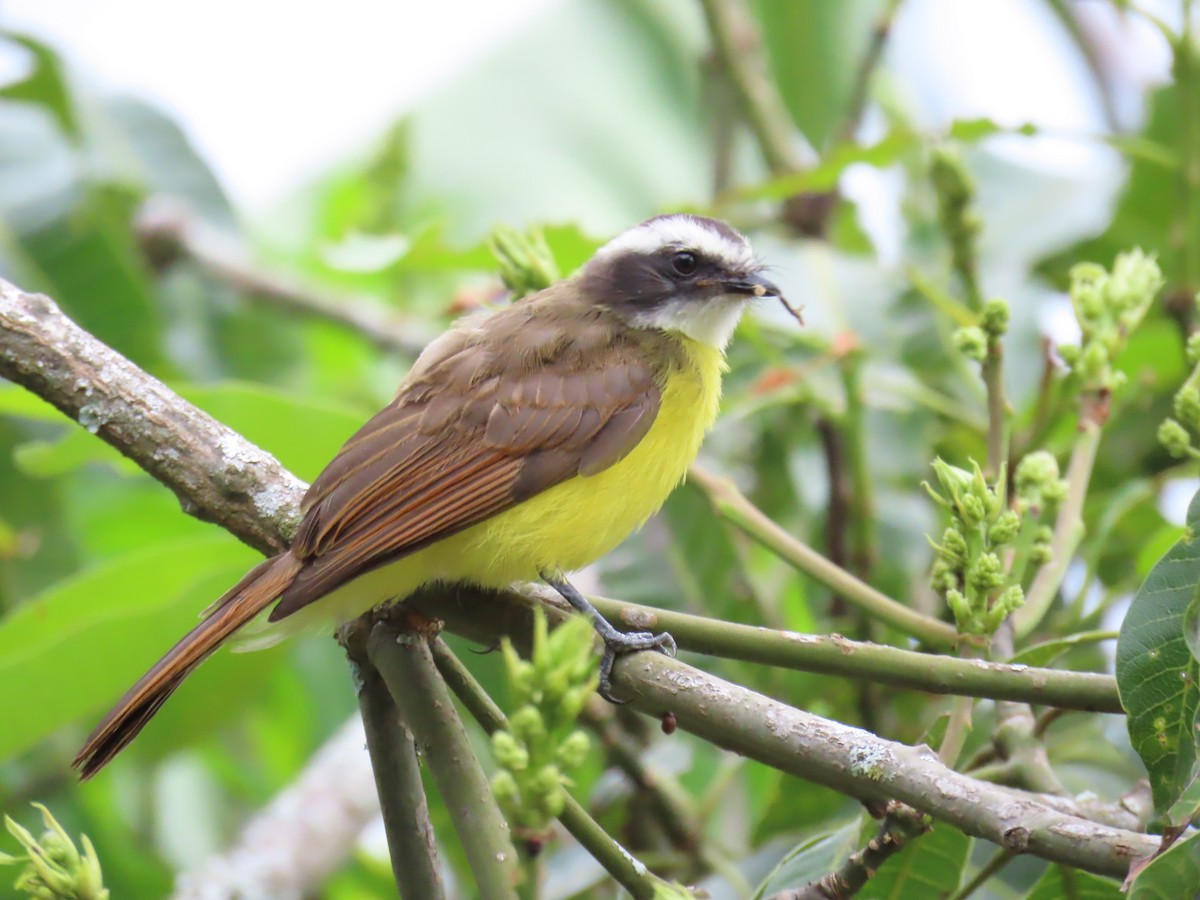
[524,444]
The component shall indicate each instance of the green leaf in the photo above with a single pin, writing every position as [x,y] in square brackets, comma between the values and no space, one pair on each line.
[46,459]
[45,84]
[77,646]
[930,866]
[813,42]
[1157,674]
[812,860]
[304,435]
[1061,881]
[1143,216]
[1046,652]
[22,404]
[1173,875]
[1183,811]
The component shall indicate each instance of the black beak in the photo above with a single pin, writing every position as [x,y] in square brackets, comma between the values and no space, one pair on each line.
[754,285]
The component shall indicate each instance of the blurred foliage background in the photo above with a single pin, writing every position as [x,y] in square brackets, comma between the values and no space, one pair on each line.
[596,116]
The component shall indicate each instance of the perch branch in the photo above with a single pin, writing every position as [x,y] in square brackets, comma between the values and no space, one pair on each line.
[733,506]
[836,655]
[617,861]
[405,664]
[410,838]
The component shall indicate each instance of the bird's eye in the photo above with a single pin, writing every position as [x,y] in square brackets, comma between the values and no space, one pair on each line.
[684,263]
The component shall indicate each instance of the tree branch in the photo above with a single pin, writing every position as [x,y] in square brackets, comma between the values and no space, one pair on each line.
[736,43]
[617,861]
[405,663]
[302,836]
[836,655]
[412,845]
[869,768]
[169,233]
[217,474]
[733,506]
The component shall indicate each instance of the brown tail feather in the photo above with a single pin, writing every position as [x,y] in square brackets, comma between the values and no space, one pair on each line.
[241,603]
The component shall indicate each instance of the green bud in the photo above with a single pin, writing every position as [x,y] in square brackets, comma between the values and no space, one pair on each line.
[1136,279]
[971,342]
[1193,348]
[954,544]
[524,259]
[961,609]
[1187,406]
[942,577]
[973,509]
[54,868]
[986,573]
[504,788]
[954,481]
[1012,599]
[1174,438]
[1041,553]
[1094,360]
[574,750]
[1005,528]
[995,317]
[1069,353]
[509,754]
[546,781]
[1037,482]
[528,725]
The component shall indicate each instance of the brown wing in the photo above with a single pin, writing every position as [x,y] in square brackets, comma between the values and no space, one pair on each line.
[490,416]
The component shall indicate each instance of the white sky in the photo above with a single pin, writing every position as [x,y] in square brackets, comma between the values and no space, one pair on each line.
[330,75]
[272,91]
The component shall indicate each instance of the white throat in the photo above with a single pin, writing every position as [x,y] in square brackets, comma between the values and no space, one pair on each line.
[710,322]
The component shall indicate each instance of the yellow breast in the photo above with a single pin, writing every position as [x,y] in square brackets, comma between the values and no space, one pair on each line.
[566,527]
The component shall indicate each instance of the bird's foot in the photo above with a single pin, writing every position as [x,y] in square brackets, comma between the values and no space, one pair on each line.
[618,643]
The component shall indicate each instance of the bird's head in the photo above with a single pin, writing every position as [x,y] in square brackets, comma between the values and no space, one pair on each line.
[680,273]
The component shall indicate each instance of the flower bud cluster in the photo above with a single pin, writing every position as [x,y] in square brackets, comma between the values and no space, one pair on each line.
[968,570]
[1175,433]
[525,261]
[1109,306]
[541,746]
[54,868]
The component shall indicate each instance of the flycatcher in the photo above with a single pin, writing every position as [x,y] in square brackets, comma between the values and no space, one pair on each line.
[524,444]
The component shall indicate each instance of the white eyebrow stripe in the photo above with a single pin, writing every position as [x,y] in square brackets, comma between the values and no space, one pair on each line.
[682,232]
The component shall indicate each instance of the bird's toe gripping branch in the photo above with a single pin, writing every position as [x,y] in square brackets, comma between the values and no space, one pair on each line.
[615,642]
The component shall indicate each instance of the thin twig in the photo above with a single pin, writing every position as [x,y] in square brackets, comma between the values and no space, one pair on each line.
[999,860]
[900,825]
[410,838]
[404,661]
[897,668]
[169,233]
[732,505]
[616,860]
[736,43]
[856,105]
[1068,530]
